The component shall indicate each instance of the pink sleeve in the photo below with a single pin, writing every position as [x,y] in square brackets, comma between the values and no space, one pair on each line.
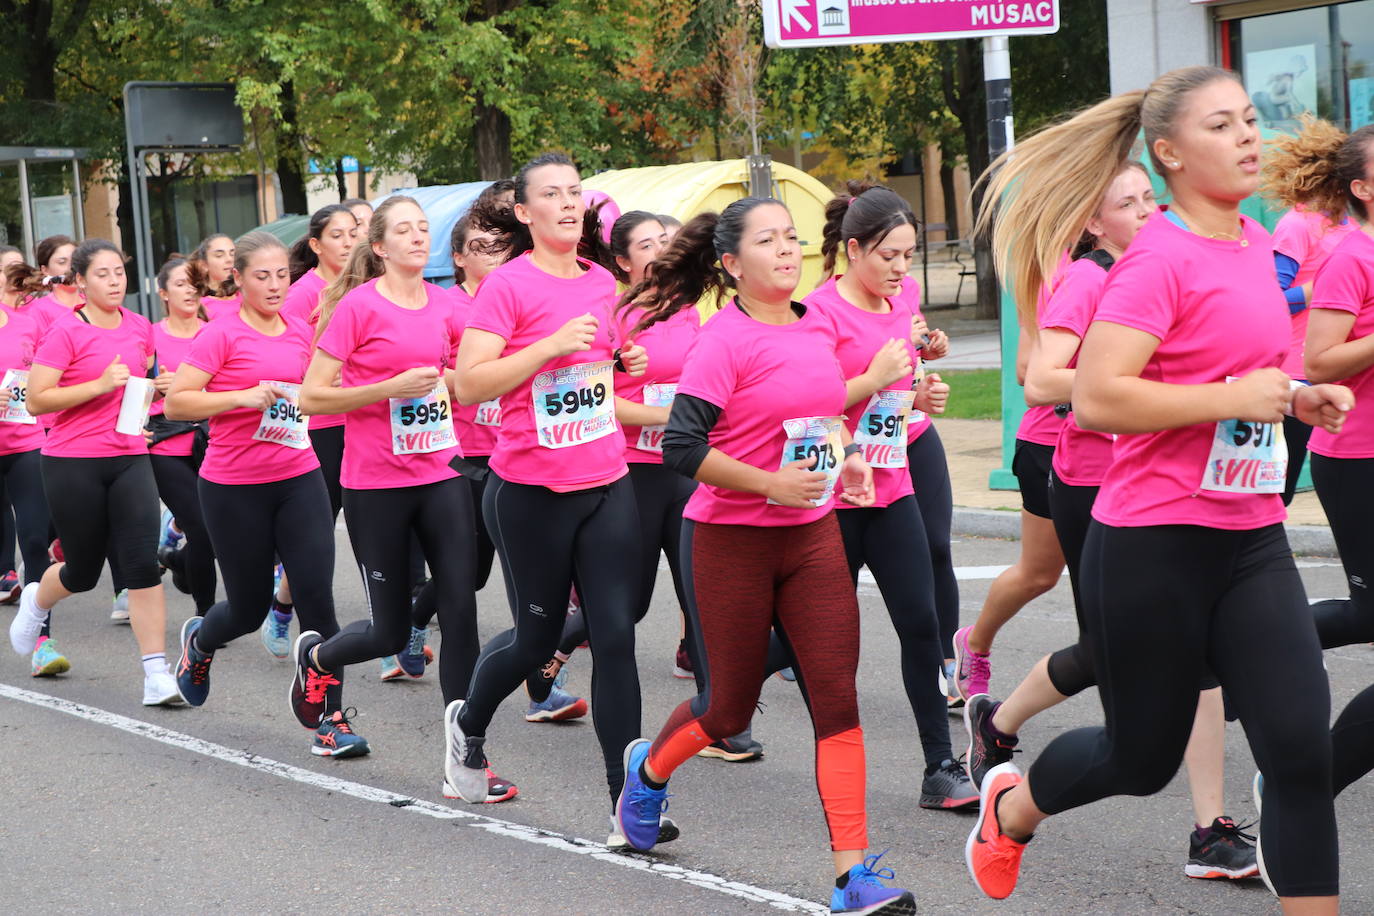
[496,307]
[1293,236]
[1071,305]
[1141,293]
[209,350]
[1341,285]
[56,351]
[342,335]
[710,371]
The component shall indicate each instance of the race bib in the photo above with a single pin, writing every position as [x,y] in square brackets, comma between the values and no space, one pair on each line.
[651,437]
[815,438]
[282,422]
[17,411]
[488,413]
[1246,458]
[424,424]
[881,432]
[574,405]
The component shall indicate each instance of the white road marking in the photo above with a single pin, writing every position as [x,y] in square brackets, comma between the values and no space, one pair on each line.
[391,799]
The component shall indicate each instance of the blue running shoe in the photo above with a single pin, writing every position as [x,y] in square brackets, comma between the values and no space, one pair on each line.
[639,809]
[276,634]
[416,654]
[559,707]
[391,669]
[787,674]
[170,536]
[193,671]
[335,737]
[47,661]
[865,892]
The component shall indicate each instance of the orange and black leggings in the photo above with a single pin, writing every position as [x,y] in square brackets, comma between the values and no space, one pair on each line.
[743,582]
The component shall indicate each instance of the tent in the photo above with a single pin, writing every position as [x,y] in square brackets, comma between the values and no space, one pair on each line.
[444,205]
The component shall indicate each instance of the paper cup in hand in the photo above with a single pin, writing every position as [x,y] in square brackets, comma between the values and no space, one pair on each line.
[133,410]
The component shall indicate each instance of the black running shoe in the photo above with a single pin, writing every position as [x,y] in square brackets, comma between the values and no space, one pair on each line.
[984,753]
[1226,851]
[948,788]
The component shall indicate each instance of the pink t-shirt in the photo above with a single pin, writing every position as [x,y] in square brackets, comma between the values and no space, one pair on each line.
[1346,284]
[171,352]
[523,304]
[1308,238]
[239,357]
[760,375]
[911,295]
[477,439]
[82,351]
[1041,425]
[18,343]
[1081,456]
[217,307]
[43,311]
[300,303]
[375,339]
[1217,312]
[666,343]
[858,335]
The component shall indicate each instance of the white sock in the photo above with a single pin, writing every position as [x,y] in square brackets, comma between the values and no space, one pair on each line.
[156,663]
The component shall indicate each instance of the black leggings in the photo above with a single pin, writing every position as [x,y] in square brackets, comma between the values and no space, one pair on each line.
[1295,435]
[380,525]
[1071,669]
[99,504]
[21,483]
[250,526]
[328,444]
[892,542]
[1167,602]
[475,473]
[6,534]
[925,459]
[177,485]
[661,494]
[548,543]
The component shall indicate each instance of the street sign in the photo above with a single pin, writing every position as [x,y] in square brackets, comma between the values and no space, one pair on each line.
[810,23]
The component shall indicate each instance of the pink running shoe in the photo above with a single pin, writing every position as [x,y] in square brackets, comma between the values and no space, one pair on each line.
[972,671]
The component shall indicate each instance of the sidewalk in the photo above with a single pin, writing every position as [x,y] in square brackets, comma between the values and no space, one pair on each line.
[974,449]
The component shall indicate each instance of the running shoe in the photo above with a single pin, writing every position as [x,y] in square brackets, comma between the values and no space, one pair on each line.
[276,634]
[160,689]
[972,671]
[55,554]
[948,788]
[985,750]
[171,558]
[559,707]
[119,610]
[953,702]
[391,669]
[639,809]
[193,671]
[864,892]
[10,587]
[667,832]
[1222,851]
[736,749]
[682,662]
[335,737]
[498,789]
[308,686]
[787,674]
[170,536]
[1257,790]
[416,654]
[47,661]
[465,763]
[994,859]
[27,624]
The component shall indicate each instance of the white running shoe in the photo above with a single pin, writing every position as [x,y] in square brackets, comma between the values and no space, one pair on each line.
[465,766]
[119,612]
[160,689]
[27,623]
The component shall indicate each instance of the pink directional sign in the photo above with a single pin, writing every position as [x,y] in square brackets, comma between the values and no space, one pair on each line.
[806,23]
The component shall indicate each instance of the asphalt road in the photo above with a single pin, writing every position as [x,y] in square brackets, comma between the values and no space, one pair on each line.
[109,807]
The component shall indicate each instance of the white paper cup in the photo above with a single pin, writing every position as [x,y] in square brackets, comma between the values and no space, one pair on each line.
[133,410]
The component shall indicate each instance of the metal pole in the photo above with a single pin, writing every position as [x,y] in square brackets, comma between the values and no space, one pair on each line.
[925,228]
[997,78]
[25,206]
[145,244]
[80,200]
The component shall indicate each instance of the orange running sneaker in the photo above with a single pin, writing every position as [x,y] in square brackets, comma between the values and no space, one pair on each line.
[994,859]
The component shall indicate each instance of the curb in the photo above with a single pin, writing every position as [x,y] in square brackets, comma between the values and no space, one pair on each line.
[1306,540]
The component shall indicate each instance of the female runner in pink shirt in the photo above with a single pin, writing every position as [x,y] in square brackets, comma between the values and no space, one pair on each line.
[212,269]
[260,485]
[757,421]
[10,585]
[559,503]
[1187,567]
[99,481]
[1331,173]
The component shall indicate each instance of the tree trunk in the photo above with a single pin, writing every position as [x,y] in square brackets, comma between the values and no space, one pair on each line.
[962,77]
[341,179]
[290,171]
[951,199]
[491,140]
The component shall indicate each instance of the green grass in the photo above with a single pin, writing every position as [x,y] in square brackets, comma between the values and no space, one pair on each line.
[974,394]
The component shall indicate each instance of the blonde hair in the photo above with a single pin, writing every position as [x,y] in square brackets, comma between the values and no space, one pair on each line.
[363,263]
[1038,197]
[1314,168]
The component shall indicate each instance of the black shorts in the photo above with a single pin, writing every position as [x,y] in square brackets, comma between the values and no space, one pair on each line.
[1030,463]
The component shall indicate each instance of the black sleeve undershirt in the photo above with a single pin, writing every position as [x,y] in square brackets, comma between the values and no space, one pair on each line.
[685,444]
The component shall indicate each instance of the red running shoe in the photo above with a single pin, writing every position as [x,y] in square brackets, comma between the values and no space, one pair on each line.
[994,859]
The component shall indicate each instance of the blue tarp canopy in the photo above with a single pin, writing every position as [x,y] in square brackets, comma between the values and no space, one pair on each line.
[444,205]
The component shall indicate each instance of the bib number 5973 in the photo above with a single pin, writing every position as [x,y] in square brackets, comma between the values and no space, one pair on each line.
[815,439]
